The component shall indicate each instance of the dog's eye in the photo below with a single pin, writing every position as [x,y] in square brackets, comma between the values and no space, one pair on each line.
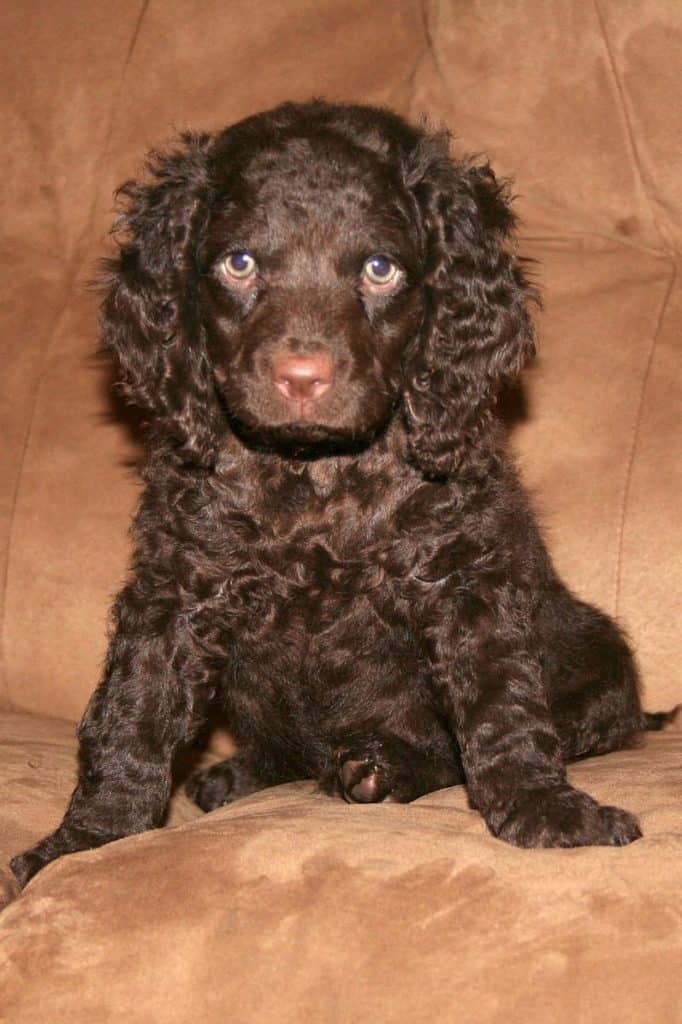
[239,265]
[380,272]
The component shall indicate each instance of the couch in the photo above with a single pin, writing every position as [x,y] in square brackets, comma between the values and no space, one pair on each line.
[289,906]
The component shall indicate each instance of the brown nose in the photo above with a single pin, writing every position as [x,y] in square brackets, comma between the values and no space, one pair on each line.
[303,378]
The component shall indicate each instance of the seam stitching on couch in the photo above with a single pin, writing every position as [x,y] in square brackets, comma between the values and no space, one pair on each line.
[71,281]
[407,82]
[106,146]
[635,434]
[630,133]
[131,49]
[430,47]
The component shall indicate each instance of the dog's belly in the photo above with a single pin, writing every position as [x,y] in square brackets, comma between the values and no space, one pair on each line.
[318,667]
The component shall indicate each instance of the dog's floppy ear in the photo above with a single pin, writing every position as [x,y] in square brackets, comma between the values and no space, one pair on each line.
[150,317]
[477,332]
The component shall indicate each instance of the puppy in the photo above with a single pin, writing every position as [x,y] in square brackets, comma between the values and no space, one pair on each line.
[316,309]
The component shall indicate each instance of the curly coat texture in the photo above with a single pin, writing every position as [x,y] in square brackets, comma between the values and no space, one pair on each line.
[350,570]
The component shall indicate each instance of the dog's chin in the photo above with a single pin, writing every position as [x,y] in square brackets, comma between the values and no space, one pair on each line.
[303,439]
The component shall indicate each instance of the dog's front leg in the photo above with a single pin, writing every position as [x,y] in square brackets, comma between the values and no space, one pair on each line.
[495,692]
[136,718]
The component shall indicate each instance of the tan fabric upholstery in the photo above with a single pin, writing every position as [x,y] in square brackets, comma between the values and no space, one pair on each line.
[290,906]
[575,99]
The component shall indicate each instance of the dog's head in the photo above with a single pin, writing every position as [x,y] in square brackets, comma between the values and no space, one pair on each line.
[307,274]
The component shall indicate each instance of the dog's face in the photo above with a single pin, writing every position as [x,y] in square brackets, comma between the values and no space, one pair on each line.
[311,288]
[299,276]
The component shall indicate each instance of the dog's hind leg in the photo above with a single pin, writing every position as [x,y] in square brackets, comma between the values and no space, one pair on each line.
[594,689]
[381,766]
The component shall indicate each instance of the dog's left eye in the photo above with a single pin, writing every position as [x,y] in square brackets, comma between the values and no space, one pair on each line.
[239,265]
[380,272]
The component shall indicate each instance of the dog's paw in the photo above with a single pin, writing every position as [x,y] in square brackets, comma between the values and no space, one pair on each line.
[9,888]
[211,788]
[374,771]
[563,817]
[25,865]
[68,838]
[222,784]
[363,781]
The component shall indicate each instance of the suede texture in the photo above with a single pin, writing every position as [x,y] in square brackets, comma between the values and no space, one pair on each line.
[289,906]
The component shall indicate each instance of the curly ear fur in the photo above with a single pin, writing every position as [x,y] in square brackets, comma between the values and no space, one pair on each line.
[150,317]
[477,331]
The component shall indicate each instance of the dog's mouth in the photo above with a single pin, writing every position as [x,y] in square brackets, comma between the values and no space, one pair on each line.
[305,432]
[301,438]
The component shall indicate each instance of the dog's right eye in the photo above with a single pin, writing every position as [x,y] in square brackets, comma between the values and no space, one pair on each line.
[239,266]
[380,274]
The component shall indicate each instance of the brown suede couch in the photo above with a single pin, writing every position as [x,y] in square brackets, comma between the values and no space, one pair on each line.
[290,906]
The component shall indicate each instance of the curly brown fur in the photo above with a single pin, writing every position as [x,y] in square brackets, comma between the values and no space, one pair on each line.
[333,545]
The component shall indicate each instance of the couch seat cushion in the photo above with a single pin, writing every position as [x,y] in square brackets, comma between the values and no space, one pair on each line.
[290,906]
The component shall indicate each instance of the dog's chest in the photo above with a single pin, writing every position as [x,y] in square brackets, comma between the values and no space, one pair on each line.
[286,558]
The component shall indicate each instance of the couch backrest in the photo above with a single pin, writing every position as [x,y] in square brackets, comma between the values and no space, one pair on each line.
[579,101]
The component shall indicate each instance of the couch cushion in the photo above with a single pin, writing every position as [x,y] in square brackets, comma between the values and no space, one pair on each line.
[576,100]
[573,99]
[291,906]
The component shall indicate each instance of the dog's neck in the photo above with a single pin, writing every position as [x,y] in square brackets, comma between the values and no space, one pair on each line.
[324,471]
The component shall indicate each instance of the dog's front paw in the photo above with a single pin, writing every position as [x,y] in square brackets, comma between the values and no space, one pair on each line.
[25,865]
[66,839]
[9,888]
[563,816]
